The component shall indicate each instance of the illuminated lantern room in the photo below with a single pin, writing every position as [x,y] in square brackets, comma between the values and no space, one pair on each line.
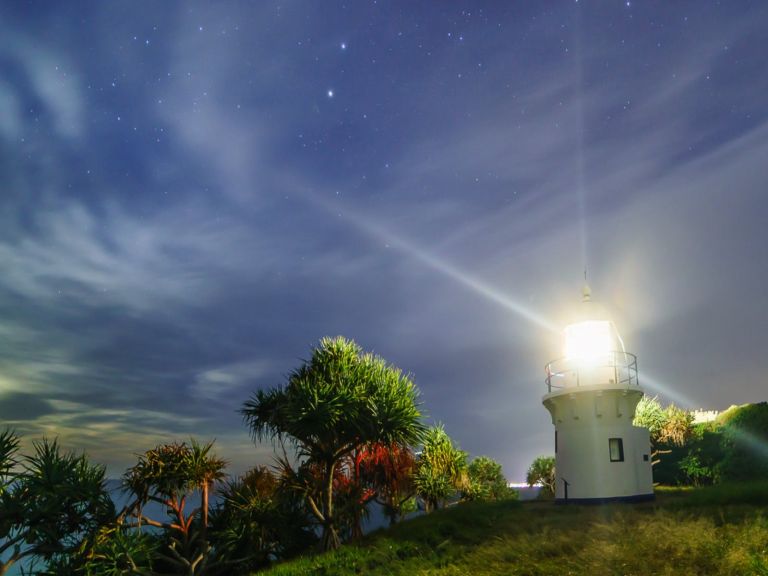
[592,393]
[589,341]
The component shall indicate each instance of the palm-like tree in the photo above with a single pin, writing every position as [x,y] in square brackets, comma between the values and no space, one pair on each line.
[441,469]
[337,401]
[204,470]
[167,475]
[52,504]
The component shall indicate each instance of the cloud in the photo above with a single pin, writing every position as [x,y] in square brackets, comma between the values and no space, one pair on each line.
[115,259]
[10,112]
[215,384]
[51,77]
[18,406]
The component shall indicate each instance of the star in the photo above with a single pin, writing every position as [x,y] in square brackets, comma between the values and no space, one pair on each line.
[330,93]
[343,46]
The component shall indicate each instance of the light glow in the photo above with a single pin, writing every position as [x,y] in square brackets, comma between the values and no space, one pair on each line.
[588,341]
[397,240]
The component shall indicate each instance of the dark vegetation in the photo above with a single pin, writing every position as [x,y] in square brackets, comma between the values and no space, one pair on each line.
[731,448]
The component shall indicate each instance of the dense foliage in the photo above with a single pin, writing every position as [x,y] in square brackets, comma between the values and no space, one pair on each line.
[733,447]
[669,427]
[487,481]
[256,522]
[744,443]
[388,470]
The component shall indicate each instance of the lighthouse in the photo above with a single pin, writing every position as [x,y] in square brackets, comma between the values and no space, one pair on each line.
[592,393]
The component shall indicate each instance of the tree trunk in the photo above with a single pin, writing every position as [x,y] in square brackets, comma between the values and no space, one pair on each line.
[204,527]
[357,524]
[330,539]
[4,567]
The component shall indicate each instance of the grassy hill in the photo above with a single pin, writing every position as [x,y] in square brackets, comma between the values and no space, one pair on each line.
[707,531]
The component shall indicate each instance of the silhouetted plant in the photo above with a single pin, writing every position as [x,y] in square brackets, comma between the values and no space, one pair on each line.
[52,504]
[168,475]
[256,523]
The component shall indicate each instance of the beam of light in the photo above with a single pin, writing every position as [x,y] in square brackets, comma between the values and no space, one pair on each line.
[656,386]
[752,442]
[397,241]
[579,98]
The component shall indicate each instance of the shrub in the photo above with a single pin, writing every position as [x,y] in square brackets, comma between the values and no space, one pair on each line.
[486,481]
[542,472]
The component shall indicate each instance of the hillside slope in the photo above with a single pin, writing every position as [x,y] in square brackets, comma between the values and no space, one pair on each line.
[707,532]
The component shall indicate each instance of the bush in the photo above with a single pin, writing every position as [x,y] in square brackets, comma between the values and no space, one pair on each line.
[257,523]
[542,472]
[487,482]
[745,443]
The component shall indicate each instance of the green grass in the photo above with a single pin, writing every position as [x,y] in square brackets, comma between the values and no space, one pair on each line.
[748,493]
[708,531]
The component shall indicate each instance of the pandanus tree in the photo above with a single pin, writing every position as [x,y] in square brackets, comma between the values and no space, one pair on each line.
[388,470]
[338,401]
[542,472]
[668,427]
[168,475]
[441,469]
[256,522]
[52,503]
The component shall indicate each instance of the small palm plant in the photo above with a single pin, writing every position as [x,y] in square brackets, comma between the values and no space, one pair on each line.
[441,469]
[168,475]
[52,503]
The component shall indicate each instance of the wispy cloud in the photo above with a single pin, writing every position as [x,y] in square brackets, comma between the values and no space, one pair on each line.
[46,76]
[222,382]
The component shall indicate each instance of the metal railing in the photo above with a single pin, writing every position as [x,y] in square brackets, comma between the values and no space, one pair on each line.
[617,368]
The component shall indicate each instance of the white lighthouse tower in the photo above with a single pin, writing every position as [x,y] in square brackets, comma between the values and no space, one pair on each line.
[592,393]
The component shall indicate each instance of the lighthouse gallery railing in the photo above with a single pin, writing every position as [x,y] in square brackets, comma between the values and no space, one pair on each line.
[617,368]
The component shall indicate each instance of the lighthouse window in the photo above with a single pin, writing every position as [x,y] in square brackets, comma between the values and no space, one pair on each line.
[555,441]
[616,449]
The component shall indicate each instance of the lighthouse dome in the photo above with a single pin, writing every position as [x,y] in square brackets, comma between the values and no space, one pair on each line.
[590,334]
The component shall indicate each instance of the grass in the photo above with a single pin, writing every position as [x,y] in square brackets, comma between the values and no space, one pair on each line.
[707,531]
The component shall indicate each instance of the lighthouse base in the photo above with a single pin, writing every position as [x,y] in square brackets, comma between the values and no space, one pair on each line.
[614,500]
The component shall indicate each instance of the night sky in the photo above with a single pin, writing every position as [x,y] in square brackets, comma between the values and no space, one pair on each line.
[193,194]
